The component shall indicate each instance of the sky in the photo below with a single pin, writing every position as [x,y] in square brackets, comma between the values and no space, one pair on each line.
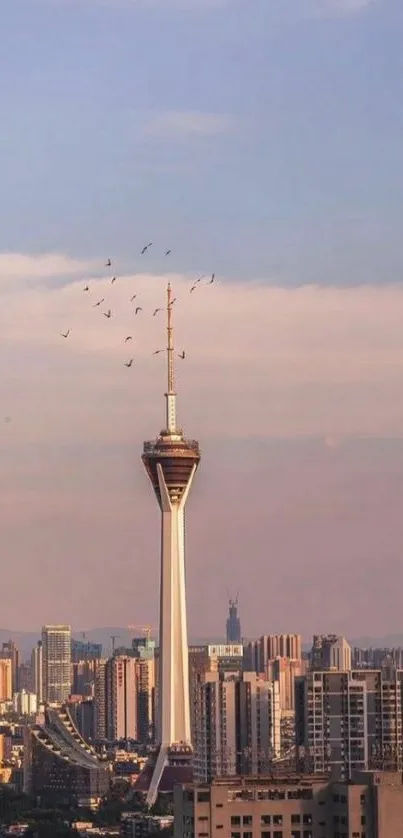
[261,140]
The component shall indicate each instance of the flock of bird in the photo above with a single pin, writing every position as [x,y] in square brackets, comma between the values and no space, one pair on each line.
[108,313]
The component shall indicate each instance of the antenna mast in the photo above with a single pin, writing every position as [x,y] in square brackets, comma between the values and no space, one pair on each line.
[170,395]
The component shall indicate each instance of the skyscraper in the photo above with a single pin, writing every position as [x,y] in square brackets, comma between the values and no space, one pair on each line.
[233,623]
[171,462]
[56,644]
[9,651]
[6,679]
[37,671]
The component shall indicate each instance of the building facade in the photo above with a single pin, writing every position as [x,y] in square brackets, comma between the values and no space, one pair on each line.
[56,663]
[6,679]
[294,806]
[59,766]
[37,671]
[348,721]
[238,725]
[257,653]
[330,652]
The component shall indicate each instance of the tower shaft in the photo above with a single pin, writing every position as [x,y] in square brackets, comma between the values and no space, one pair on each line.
[171,462]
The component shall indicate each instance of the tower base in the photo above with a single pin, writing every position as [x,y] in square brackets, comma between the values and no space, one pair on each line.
[166,767]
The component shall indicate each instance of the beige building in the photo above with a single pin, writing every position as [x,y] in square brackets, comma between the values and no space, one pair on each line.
[330,652]
[121,685]
[297,806]
[6,680]
[56,663]
[269,646]
[237,725]
[285,671]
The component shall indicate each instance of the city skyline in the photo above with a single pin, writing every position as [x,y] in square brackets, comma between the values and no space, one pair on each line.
[292,379]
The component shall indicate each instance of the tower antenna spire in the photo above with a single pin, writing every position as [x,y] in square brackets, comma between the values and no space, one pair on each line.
[170,395]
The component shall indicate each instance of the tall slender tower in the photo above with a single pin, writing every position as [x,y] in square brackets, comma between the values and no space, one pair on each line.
[171,462]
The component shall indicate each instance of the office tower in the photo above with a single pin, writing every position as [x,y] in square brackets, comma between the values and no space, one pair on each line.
[9,651]
[6,679]
[233,623]
[37,671]
[377,658]
[60,767]
[291,806]
[145,705]
[258,652]
[100,701]
[238,725]
[121,687]
[285,671]
[82,650]
[171,462]
[25,676]
[56,665]
[348,721]
[330,652]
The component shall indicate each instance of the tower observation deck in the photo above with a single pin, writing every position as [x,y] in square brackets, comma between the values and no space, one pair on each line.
[171,462]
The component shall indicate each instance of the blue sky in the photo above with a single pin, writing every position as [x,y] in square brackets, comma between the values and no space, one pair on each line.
[262,137]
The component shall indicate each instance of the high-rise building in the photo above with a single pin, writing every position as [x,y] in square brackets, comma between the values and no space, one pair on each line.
[258,652]
[171,462]
[6,679]
[56,667]
[285,671]
[37,671]
[348,721]
[9,651]
[238,725]
[121,686]
[100,701]
[25,703]
[233,623]
[330,652]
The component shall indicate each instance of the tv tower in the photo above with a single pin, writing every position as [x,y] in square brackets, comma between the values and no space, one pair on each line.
[171,462]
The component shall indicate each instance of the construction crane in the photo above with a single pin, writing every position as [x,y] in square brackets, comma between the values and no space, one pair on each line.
[113,638]
[147,630]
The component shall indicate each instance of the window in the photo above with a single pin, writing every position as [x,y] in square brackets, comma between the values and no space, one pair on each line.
[203,797]
[362,799]
[278,834]
[307,819]
[295,833]
[247,835]
[295,818]
[265,820]
[235,835]
[307,833]
[202,818]
[362,820]
[219,805]
[247,820]
[278,819]
[235,820]
[219,826]
[266,835]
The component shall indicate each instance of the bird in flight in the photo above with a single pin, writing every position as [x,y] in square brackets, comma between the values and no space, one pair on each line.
[198,279]
[157,351]
[132,299]
[156,311]
[146,246]
[87,288]
[129,337]
[113,279]
[108,313]
[138,309]
[99,302]
[182,355]
[129,363]
[65,334]
[108,263]
[173,301]
[212,279]
[167,252]
[193,288]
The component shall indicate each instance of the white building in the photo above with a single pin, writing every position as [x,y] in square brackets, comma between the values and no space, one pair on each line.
[25,703]
[56,672]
